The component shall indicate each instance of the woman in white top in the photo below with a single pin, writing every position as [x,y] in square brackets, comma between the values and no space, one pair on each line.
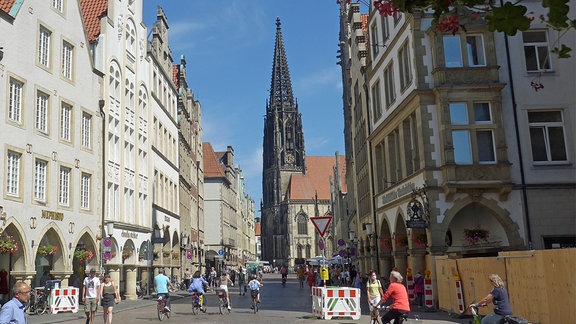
[224,280]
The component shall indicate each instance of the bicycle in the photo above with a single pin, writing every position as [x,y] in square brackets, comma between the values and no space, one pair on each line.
[163,311]
[198,303]
[508,319]
[222,301]
[376,318]
[254,294]
[39,304]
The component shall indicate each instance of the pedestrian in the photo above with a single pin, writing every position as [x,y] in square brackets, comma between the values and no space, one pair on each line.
[499,297]
[90,295]
[419,289]
[373,290]
[358,281]
[187,278]
[13,310]
[311,279]
[213,275]
[110,296]
[353,275]
[233,276]
[241,281]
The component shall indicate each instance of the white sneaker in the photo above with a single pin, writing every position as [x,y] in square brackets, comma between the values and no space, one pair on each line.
[167,308]
[229,308]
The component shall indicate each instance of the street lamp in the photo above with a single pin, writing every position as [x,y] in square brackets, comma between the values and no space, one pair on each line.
[110,229]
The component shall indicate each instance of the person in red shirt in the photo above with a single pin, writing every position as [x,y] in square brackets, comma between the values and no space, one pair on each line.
[400,304]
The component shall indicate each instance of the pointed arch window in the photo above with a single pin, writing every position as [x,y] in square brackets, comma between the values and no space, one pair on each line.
[299,251]
[302,224]
[308,251]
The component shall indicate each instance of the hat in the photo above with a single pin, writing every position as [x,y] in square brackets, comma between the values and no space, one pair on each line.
[92,270]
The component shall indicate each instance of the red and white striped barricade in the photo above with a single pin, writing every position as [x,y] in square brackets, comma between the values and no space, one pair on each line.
[459,291]
[428,293]
[328,302]
[410,284]
[64,299]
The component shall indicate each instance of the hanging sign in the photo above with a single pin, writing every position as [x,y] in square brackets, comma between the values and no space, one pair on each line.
[321,224]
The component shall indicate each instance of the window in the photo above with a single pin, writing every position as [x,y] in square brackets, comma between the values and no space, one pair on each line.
[57,4]
[536,50]
[404,61]
[41,118]
[13,173]
[308,250]
[15,101]
[547,136]
[85,185]
[67,57]
[65,122]
[64,186]
[474,50]
[385,29]
[86,130]
[472,141]
[390,94]
[40,180]
[302,225]
[44,47]
[374,39]
[376,101]
[130,38]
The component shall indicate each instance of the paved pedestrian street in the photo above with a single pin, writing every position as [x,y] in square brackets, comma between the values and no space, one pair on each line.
[279,305]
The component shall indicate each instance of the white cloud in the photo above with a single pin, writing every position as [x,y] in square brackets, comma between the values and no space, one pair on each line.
[312,82]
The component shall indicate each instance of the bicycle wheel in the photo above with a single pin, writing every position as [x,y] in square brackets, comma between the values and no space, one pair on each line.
[160,311]
[254,305]
[40,307]
[221,305]
[167,313]
[195,307]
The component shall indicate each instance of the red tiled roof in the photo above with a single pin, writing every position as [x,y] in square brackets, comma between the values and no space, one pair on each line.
[212,166]
[257,229]
[176,75]
[364,20]
[319,169]
[92,11]
[6,5]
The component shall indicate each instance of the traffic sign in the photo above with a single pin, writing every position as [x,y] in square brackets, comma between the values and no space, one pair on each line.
[107,242]
[321,224]
[341,242]
[321,244]
[189,254]
[221,252]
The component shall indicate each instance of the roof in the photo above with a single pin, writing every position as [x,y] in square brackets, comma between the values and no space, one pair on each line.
[257,229]
[6,5]
[212,166]
[364,20]
[319,169]
[92,11]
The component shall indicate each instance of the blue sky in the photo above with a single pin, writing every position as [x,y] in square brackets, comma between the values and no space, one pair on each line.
[229,47]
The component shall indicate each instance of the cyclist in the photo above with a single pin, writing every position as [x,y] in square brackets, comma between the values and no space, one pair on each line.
[499,297]
[161,284]
[197,286]
[224,280]
[400,304]
[255,285]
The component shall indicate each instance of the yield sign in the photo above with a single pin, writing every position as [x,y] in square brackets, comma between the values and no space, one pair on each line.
[321,224]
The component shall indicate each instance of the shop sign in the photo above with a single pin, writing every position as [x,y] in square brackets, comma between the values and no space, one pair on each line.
[129,234]
[52,215]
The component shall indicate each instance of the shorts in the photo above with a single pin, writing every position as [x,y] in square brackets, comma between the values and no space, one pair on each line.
[90,305]
[224,287]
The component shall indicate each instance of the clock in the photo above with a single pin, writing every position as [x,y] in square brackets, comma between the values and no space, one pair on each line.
[289,158]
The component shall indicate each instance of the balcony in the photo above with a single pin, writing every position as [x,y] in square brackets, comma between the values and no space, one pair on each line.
[483,178]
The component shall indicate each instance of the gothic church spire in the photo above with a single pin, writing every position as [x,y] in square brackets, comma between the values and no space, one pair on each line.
[281,86]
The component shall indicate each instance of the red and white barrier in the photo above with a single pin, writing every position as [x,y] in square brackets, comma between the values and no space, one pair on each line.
[336,302]
[459,292]
[410,284]
[428,293]
[64,299]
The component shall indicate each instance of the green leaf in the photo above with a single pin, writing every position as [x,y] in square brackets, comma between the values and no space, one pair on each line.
[508,19]
[562,52]
[557,12]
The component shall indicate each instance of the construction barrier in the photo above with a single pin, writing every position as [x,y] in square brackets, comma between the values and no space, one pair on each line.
[428,293]
[64,299]
[410,284]
[328,302]
[459,291]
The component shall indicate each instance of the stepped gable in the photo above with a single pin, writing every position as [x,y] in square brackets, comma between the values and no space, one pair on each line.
[92,12]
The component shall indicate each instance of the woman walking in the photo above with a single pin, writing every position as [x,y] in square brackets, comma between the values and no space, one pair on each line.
[373,290]
[110,297]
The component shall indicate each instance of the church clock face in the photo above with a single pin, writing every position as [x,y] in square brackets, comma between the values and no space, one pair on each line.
[289,158]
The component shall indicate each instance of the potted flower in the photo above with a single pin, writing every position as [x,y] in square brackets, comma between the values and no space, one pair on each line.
[386,243]
[476,236]
[401,241]
[47,250]
[84,255]
[126,254]
[420,239]
[8,245]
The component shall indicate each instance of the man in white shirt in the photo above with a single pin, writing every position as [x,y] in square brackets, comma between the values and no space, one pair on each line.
[90,295]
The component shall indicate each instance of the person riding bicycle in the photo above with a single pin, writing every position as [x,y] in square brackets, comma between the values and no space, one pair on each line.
[400,304]
[499,297]
[197,286]
[255,285]
[161,284]
[224,280]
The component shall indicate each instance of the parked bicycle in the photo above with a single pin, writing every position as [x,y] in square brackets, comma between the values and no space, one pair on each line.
[139,290]
[163,311]
[222,301]
[38,303]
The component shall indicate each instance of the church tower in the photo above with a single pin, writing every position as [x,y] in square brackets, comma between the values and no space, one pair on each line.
[283,155]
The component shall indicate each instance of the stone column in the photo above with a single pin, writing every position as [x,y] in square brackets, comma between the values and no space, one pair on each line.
[145,280]
[114,272]
[400,260]
[418,260]
[130,293]
[385,260]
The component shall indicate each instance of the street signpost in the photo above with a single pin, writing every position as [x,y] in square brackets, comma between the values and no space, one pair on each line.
[321,224]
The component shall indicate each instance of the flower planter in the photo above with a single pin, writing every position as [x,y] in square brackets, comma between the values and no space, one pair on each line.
[8,245]
[47,250]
